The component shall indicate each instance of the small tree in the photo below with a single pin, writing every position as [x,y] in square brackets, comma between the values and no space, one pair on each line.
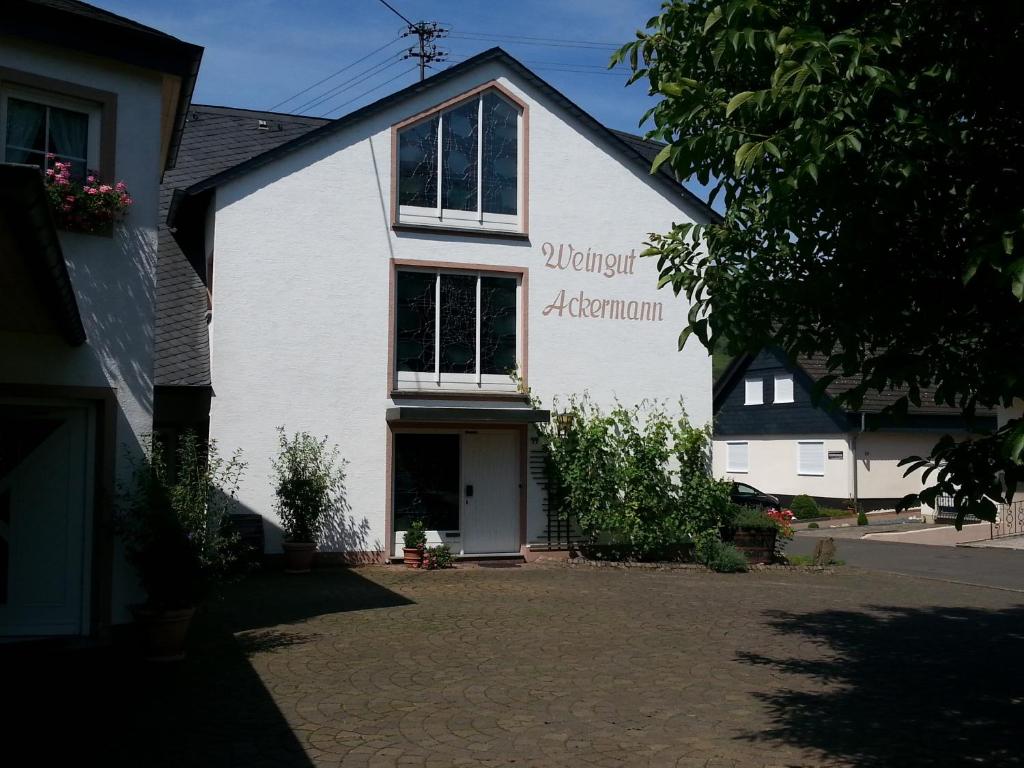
[175,526]
[309,482]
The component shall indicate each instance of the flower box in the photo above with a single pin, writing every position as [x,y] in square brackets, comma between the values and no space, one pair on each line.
[91,207]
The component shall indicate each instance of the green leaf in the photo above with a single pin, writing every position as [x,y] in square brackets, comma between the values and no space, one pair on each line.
[661,157]
[737,101]
[713,18]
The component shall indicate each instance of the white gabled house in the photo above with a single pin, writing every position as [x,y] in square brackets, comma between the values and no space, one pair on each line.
[394,278]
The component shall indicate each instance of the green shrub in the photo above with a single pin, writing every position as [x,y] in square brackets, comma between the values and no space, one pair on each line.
[813,525]
[834,512]
[804,507]
[436,558]
[749,518]
[416,536]
[721,557]
[175,525]
[309,483]
[634,480]
[862,518]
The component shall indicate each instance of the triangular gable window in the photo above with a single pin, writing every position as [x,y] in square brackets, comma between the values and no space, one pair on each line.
[463,164]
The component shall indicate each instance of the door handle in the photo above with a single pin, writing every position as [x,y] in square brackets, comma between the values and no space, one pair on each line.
[469,491]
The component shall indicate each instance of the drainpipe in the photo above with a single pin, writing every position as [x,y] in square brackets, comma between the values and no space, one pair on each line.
[856,496]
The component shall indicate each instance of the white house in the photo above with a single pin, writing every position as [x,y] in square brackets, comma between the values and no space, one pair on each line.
[77,315]
[768,434]
[396,278]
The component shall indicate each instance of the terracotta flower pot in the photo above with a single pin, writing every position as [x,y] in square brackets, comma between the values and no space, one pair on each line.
[298,556]
[163,632]
[413,557]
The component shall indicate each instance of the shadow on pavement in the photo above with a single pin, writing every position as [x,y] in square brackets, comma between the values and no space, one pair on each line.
[108,706]
[899,686]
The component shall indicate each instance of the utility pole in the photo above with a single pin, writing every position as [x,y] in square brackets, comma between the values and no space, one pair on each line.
[427,33]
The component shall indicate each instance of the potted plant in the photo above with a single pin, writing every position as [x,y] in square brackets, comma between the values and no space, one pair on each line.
[752,532]
[438,558]
[309,485]
[415,539]
[176,530]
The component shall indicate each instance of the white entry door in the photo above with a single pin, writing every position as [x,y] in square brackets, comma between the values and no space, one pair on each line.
[490,474]
[45,503]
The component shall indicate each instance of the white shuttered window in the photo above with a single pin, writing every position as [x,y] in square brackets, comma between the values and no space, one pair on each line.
[753,391]
[737,457]
[783,388]
[810,457]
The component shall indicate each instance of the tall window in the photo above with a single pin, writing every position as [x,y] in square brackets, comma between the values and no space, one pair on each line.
[39,129]
[753,391]
[460,167]
[455,328]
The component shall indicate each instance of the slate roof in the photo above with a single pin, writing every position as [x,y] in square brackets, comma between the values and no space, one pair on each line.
[214,138]
[873,401]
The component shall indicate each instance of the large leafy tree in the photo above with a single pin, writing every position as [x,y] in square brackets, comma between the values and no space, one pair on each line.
[869,157]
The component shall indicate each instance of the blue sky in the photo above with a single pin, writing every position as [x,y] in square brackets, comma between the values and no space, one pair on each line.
[259,52]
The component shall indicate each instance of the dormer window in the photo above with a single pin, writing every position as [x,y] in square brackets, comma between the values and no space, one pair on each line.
[463,165]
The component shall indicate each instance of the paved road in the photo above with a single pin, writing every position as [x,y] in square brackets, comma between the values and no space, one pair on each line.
[1000,568]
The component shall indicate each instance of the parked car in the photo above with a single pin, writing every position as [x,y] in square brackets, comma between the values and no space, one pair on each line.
[749,496]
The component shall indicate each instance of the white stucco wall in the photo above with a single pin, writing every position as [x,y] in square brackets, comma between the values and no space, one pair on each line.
[300,333]
[773,466]
[113,277]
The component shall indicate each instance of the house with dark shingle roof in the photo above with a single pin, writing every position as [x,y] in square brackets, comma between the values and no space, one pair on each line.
[770,435]
[399,279]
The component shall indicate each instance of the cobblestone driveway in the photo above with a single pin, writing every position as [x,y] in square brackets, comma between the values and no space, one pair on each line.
[558,666]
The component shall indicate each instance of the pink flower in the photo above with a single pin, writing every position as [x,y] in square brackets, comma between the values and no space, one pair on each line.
[70,198]
[91,190]
[49,171]
[105,188]
[120,186]
[91,179]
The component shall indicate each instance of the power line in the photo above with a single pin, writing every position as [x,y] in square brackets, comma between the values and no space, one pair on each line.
[397,13]
[352,82]
[540,39]
[508,40]
[371,90]
[335,74]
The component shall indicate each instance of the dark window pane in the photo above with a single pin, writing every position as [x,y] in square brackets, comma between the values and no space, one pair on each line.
[458,324]
[414,321]
[26,130]
[460,131]
[427,481]
[417,165]
[497,324]
[501,159]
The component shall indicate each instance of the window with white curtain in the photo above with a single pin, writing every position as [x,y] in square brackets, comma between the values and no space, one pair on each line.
[753,391]
[40,128]
[810,457]
[737,457]
[783,388]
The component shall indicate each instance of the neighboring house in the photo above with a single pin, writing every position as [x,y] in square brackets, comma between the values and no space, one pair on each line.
[77,316]
[396,278]
[768,434]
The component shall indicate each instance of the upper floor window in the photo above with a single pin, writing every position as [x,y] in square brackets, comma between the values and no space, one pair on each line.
[40,128]
[461,166]
[456,329]
[753,391]
[783,388]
